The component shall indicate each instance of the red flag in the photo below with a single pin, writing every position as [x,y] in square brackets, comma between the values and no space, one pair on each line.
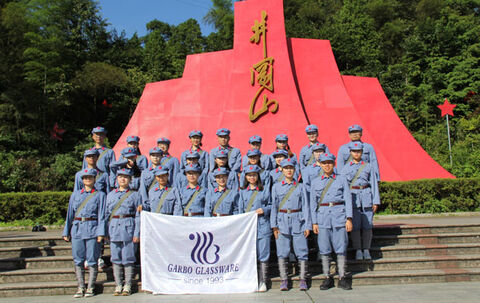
[447,108]
[56,132]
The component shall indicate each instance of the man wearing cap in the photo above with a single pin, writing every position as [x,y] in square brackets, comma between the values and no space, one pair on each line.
[264,160]
[291,223]
[221,200]
[195,137]
[192,157]
[133,142]
[221,160]
[355,133]
[276,173]
[193,195]
[254,157]
[101,179]
[147,178]
[123,230]
[168,161]
[127,160]
[331,211]
[255,196]
[314,170]
[163,198]
[306,157]
[365,198]
[234,156]
[85,226]
[106,156]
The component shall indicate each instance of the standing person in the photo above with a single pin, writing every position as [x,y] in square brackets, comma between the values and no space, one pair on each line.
[101,179]
[196,146]
[221,200]
[254,157]
[147,178]
[181,178]
[282,143]
[123,231]
[365,198]
[313,170]
[193,195]
[221,160]
[290,221]
[234,156]
[306,157]
[265,160]
[168,161]
[163,198]
[106,156]
[133,142]
[331,208]
[254,196]
[127,160]
[85,227]
[355,133]
[276,173]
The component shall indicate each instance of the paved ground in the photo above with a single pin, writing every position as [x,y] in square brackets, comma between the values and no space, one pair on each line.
[464,292]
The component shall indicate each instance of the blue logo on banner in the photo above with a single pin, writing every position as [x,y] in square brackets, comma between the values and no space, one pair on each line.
[202,247]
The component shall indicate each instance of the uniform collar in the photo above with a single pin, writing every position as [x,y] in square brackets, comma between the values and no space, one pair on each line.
[276,170]
[102,148]
[197,150]
[228,147]
[196,187]
[252,189]
[325,176]
[118,190]
[158,188]
[310,144]
[285,182]
[218,189]
[91,192]
[352,163]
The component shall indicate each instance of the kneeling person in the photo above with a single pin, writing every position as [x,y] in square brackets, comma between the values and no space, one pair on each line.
[331,209]
[163,198]
[123,230]
[221,200]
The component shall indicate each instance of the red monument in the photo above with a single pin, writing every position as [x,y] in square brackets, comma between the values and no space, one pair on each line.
[267,85]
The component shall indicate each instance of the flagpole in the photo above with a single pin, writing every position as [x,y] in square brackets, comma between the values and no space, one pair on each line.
[449,143]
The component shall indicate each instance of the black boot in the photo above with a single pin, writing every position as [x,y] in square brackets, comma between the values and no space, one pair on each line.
[327,283]
[345,283]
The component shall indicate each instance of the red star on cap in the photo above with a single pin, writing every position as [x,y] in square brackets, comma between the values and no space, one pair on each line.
[86,170]
[447,108]
[356,144]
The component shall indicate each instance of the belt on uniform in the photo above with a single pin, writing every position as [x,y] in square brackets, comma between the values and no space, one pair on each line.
[332,204]
[192,214]
[220,215]
[83,219]
[167,214]
[361,187]
[289,211]
[123,216]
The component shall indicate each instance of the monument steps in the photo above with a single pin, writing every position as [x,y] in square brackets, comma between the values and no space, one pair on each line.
[401,254]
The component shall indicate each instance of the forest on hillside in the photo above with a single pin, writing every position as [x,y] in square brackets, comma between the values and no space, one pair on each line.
[62,71]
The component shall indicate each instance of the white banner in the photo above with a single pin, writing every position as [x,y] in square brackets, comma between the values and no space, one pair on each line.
[182,255]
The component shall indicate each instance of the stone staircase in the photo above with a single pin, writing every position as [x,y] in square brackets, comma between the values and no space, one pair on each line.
[36,264]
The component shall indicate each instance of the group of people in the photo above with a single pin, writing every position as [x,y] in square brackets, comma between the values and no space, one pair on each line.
[293,196]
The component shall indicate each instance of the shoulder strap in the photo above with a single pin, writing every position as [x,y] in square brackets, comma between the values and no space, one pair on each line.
[229,153]
[102,154]
[154,182]
[324,192]
[119,203]
[166,160]
[350,158]
[190,202]
[359,171]
[98,176]
[279,178]
[162,200]
[311,159]
[220,200]
[250,202]
[320,172]
[84,202]
[284,200]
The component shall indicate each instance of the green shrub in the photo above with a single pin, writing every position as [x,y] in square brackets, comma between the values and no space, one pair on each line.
[430,196]
[40,207]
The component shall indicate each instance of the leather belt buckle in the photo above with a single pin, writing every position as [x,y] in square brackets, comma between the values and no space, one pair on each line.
[330,204]
[289,211]
[189,215]
[84,219]
[217,215]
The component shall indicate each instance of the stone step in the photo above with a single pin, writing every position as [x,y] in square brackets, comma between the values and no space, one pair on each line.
[53,288]
[396,277]
[32,241]
[39,251]
[408,229]
[364,278]
[49,275]
[425,239]
[422,250]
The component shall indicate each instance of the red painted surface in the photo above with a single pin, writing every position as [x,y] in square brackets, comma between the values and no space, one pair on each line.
[215,92]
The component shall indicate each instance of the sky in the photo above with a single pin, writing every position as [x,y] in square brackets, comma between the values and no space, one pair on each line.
[133,15]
